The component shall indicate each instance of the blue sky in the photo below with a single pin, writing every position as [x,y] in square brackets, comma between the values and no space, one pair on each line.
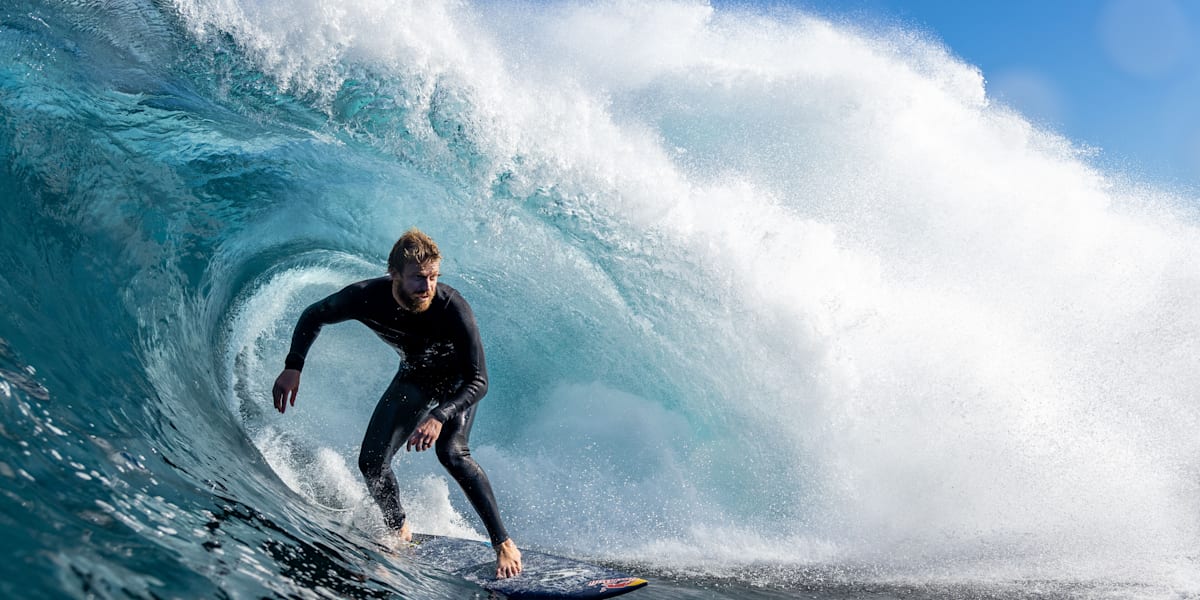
[1119,75]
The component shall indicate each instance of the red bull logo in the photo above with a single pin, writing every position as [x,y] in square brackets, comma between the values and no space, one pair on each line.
[616,584]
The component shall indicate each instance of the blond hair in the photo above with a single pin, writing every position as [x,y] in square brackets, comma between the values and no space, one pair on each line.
[413,247]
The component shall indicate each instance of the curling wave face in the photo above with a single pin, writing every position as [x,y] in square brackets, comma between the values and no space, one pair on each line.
[794,286]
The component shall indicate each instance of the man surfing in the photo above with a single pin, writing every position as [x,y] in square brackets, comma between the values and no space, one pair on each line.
[434,330]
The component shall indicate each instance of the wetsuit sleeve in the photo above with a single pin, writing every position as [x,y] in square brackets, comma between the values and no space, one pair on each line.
[472,367]
[335,308]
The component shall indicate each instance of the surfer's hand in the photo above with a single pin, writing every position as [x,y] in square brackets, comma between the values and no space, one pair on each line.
[286,386]
[426,434]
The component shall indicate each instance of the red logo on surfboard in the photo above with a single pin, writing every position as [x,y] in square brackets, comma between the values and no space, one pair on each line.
[616,584]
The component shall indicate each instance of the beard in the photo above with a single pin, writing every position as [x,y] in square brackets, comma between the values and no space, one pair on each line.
[410,302]
[418,305]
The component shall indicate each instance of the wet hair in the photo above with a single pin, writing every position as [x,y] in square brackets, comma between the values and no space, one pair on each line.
[413,247]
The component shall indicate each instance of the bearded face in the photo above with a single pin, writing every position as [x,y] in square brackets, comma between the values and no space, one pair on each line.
[415,285]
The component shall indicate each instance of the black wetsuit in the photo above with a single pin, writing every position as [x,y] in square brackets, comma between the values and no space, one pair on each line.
[442,362]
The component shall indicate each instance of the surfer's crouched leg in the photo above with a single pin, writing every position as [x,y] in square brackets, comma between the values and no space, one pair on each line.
[456,457]
[391,423]
[381,482]
[453,453]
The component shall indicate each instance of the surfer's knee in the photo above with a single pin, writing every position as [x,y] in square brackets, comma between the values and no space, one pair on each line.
[370,465]
[455,457]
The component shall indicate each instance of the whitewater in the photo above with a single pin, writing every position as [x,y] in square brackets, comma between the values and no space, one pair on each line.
[773,305]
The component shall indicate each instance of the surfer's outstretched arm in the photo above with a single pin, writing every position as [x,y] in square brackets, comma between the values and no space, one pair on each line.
[334,308]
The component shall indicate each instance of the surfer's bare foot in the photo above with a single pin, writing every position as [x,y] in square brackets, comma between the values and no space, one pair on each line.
[398,539]
[508,560]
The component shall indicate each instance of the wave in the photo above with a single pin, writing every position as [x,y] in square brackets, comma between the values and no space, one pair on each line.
[796,286]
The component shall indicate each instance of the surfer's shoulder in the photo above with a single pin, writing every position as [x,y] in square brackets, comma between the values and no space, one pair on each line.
[360,295]
[450,299]
[369,286]
[447,293]
[454,306]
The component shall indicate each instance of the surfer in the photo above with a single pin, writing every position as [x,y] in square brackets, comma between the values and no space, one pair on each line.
[434,330]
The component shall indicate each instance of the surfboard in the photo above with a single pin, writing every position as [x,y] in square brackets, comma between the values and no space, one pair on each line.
[544,576]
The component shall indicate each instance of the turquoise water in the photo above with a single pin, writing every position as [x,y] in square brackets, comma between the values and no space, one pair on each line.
[772,306]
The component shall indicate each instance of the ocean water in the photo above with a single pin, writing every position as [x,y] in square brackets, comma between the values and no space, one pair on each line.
[774,306]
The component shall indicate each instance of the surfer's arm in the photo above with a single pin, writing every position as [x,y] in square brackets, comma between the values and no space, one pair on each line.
[471,365]
[334,308]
